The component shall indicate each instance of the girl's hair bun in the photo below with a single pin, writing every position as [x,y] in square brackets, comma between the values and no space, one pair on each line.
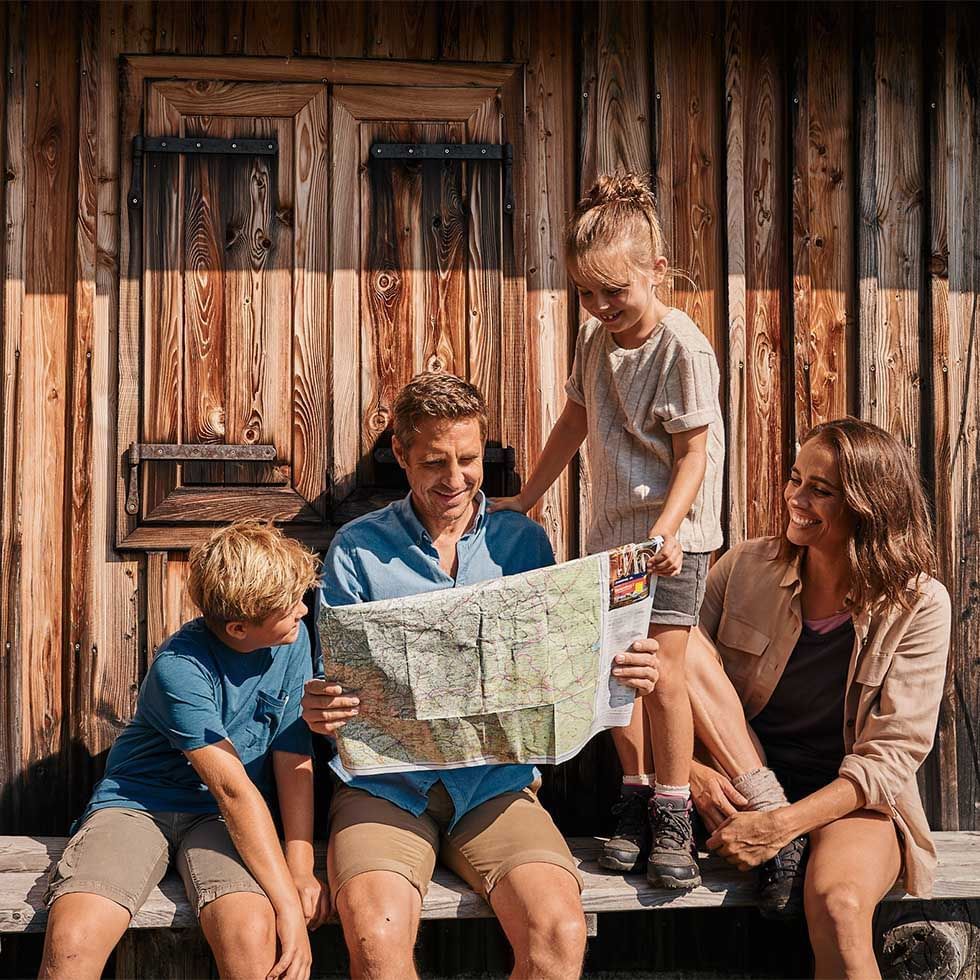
[622,187]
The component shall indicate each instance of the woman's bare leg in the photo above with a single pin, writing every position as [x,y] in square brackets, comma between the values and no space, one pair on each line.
[854,861]
[719,719]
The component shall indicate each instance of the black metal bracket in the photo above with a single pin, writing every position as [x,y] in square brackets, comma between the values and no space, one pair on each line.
[246,146]
[139,452]
[470,152]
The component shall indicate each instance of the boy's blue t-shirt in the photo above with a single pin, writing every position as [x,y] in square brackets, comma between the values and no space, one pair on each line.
[198,692]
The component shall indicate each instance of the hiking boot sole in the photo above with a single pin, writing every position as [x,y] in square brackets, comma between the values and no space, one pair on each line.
[669,881]
[612,862]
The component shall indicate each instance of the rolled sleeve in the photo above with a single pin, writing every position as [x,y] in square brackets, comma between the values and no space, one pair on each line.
[179,700]
[898,733]
[575,386]
[714,594]
[689,397]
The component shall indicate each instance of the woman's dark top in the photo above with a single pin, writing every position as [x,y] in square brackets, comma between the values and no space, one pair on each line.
[801,728]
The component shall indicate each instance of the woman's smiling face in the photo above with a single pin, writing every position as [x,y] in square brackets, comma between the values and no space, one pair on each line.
[818,514]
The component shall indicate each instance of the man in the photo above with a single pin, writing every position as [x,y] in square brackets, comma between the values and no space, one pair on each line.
[484,822]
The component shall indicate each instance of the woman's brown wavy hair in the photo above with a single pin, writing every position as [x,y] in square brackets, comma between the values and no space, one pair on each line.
[892,540]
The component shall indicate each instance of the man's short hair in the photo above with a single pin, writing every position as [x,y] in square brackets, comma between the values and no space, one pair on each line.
[436,395]
[247,571]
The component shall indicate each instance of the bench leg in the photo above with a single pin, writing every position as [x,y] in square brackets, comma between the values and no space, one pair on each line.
[928,940]
[591,924]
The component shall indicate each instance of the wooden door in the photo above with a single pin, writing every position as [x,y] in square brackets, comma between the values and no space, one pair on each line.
[280,298]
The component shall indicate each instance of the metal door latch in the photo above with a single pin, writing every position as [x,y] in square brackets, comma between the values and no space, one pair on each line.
[470,152]
[139,452]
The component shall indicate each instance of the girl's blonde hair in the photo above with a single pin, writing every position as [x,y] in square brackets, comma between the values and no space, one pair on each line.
[247,571]
[892,541]
[615,222]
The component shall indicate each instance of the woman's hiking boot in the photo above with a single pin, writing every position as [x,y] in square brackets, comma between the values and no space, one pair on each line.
[629,846]
[779,888]
[672,862]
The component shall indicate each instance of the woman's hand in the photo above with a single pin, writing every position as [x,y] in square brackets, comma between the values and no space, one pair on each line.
[714,795]
[314,896]
[749,838]
[325,709]
[669,559]
[508,503]
[638,667]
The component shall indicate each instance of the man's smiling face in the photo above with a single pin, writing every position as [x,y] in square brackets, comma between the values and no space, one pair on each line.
[444,466]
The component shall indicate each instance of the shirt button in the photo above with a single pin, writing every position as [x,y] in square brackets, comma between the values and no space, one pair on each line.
[850,722]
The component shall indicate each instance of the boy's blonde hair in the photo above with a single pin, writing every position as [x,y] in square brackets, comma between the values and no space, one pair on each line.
[615,222]
[436,395]
[247,571]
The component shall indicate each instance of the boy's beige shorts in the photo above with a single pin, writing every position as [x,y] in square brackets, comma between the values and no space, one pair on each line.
[123,854]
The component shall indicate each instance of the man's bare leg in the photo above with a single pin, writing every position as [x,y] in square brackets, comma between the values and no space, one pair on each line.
[82,931]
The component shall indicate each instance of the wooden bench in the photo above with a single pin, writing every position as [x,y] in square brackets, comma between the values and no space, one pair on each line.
[24,862]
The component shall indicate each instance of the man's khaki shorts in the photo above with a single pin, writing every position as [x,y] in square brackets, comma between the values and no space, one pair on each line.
[123,854]
[368,833]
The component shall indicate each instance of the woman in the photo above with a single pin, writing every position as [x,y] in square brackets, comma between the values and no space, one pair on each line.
[828,666]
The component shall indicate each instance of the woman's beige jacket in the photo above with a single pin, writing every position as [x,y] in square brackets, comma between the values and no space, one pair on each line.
[895,681]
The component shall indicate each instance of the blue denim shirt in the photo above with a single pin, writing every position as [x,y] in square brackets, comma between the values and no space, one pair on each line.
[388,554]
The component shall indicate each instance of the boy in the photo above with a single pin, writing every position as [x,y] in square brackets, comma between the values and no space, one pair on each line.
[217,722]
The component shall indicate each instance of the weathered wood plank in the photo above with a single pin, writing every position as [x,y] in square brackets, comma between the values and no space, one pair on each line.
[23,862]
[688,79]
[614,125]
[311,302]
[337,30]
[891,216]
[757,206]
[11,503]
[408,29]
[49,274]
[262,29]
[535,356]
[823,214]
[475,30]
[955,161]
[189,28]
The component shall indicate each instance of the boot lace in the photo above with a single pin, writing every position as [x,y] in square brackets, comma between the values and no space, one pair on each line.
[785,863]
[672,828]
[631,816]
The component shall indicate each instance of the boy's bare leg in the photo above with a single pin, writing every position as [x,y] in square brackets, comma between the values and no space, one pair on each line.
[241,930]
[82,931]
[380,912]
[540,911]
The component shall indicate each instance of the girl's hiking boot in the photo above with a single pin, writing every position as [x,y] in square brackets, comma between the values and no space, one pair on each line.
[779,889]
[672,862]
[629,845]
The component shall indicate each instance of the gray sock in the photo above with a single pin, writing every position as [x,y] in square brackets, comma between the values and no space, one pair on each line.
[762,789]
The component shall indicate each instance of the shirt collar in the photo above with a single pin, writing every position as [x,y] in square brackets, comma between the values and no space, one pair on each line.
[416,530]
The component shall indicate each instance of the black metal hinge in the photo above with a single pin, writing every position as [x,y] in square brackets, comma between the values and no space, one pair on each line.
[186,453]
[246,146]
[470,152]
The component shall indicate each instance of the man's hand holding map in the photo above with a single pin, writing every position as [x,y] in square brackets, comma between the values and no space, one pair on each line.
[512,670]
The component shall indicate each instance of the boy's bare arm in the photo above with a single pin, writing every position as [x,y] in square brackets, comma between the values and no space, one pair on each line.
[690,462]
[254,835]
[294,785]
[568,434]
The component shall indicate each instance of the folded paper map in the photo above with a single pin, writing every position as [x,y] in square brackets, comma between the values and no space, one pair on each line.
[516,669]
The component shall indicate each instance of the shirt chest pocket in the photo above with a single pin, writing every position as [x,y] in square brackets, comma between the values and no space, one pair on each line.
[262,726]
[872,667]
[741,645]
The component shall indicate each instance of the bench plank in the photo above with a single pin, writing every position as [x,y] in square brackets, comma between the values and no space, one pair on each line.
[24,862]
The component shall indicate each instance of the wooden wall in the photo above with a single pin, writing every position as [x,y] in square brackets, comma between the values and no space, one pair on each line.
[818,174]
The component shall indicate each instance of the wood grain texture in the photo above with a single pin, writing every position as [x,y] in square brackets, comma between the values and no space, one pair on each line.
[823,212]
[189,28]
[475,30]
[688,81]
[758,322]
[408,29]
[11,505]
[955,246]
[890,229]
[261,29]
[311,304]
[614,126]
[51,156]
[419,105]
[336,30]
[23,859]
[545,34]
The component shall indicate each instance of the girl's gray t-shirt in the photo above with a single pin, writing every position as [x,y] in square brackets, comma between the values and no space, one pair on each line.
[635,400]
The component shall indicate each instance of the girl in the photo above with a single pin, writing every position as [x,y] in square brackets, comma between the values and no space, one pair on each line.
[644,392]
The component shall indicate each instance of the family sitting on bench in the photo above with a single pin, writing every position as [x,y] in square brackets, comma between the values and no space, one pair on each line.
[810,688]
